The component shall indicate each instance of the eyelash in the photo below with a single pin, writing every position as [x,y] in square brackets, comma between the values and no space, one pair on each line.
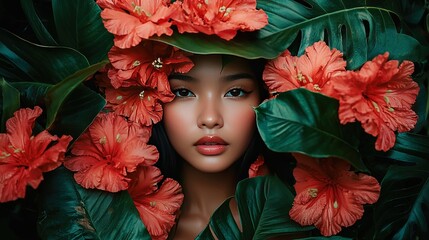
[179,91]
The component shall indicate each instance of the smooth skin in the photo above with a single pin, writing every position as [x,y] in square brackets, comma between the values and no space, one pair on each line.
[213,99]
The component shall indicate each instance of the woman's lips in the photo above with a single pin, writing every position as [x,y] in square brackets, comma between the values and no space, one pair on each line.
[211,145]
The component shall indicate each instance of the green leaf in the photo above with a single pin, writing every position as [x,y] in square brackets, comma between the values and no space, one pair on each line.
[32,93]
[410,147]
[82,104]
[243,46]
[10,102]
[79,26]
[307,122]
[264,204]
[36,24]
[59,92]
[68,211]
[222,224]
[37,63]
[405,189]
[77,112]
[360,29]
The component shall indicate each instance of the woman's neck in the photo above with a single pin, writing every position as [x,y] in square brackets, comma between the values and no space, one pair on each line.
[204,192]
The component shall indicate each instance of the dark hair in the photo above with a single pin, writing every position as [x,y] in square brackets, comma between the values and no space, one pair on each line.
[170,162]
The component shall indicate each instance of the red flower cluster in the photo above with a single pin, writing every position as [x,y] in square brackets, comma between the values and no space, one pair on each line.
[313,70]
[379,95]
[221,17]
[113,155]
[108,151]
[132,21]
[136,85]
[329,195]
[24,157]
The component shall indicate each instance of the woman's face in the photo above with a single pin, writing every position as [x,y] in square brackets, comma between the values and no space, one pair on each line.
[211,121]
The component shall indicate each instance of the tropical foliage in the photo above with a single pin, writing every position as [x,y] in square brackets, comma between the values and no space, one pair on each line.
[51,50]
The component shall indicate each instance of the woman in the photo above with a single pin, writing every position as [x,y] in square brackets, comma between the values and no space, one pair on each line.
[211,126]
[207,139]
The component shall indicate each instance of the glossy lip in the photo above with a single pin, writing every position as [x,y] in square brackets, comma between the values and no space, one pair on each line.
[211,145]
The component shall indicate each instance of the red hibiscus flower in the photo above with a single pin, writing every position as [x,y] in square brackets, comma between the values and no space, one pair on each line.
[23,157]
[108,151]
[329,195]
[258,168]
[380,96]
[220,17]
[157,206]
[150,62]
[133,20]
[313,70]
[138,104]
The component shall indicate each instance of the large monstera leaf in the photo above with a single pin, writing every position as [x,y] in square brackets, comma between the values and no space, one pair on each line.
[361,29]
[263,204]
[307,122]
[68,211]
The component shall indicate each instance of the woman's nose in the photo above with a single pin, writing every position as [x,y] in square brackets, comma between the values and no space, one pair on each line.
[210,114]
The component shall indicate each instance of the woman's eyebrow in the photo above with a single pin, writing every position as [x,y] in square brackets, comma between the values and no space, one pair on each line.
[181,77]
[238,76]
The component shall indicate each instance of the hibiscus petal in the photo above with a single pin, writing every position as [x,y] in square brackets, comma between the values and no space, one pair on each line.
[80,163]
[144,182]
[107,133]
[156,207]
[20,126]
[119,22]
[280,74]
[137,152]
[14,180]
[53,156]
[103,177]
[306,210]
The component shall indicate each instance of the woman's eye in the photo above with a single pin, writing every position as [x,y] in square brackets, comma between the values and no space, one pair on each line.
[183,92]
[236,92]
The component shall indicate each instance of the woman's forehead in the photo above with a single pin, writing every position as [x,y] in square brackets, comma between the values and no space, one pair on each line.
[219,65]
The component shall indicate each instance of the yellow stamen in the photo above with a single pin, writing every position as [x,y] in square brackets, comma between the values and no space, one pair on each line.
[152,204]
[391,109]
[119,98]
[335,204]
[312,192]
[227,12]
[141,94]
[103,140]
[157,63]
[222,9]
[138,9]
[316,87]
[136,63]
[118,138]
[4,155]
[377,108]
[386,99]
[301,78]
